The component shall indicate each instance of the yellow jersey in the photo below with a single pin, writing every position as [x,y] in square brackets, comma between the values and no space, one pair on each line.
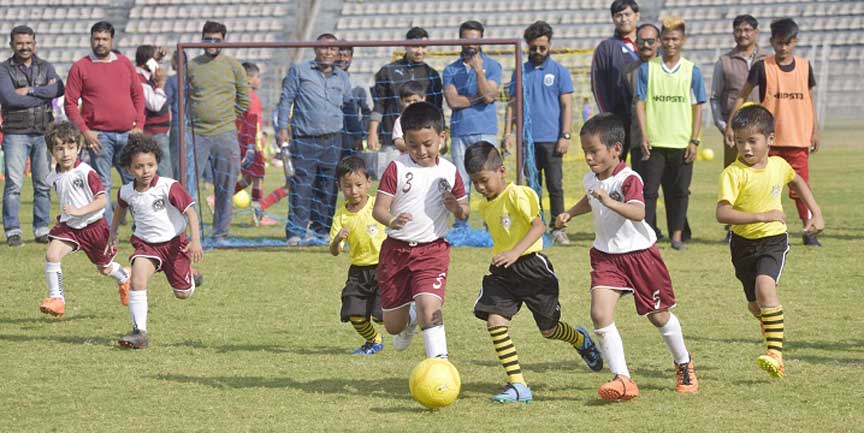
[754,190]
[365,236]
[509,217]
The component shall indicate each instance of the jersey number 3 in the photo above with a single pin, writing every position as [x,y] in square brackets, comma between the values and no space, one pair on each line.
[408,178]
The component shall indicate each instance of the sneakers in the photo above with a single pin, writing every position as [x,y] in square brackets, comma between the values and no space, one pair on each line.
[589,352]
[560,237]
[267,221]
[811,240]
[620,388]
[772,363]
[514,393]
[198,278]
[687,381]
[123,288]
[256,213]
[369,348]
[53,306]
[136,340]
[402,340]
[14,241]
[294,241]
[678,245]
[44,239]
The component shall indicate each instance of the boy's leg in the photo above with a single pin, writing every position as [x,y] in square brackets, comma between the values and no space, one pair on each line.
[670,330]
[772,323]
[516,390]
[54,304]
[395,321]
[143,269]
[359,292]
[431,320]
[603,303]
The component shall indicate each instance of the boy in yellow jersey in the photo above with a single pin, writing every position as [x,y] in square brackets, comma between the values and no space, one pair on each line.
[519,273]
[354,223]
[749,201]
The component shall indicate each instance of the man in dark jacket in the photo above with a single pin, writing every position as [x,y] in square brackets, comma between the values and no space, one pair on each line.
[27,86]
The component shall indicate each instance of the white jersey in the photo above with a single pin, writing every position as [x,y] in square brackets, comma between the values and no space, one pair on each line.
[417,190]
[157,212]
[614,233]
[77,187]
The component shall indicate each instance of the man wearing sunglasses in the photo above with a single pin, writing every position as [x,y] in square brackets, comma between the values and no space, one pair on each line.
[219,93]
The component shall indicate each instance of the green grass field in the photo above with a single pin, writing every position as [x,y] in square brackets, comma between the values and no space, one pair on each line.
[260,346]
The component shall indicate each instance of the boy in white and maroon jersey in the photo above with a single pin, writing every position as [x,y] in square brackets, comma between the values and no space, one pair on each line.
[81,224]
[159,207]
[417,193]
[624,258]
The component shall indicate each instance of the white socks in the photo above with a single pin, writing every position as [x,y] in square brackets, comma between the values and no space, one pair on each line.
[436,342]
[671,333]
[118,273]
[138,309]
[613,349]
[54,277]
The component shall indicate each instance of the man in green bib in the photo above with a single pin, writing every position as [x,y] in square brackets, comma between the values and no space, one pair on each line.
[670,94]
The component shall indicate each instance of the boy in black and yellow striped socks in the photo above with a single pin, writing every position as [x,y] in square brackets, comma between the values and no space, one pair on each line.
[519,272]
[353,223]
[749,200]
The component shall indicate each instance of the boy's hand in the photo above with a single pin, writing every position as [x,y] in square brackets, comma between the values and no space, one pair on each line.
[815,225]
[112,243]
[450,202]
[505,259]
[196,253]
[343,234]
[562,220]
[601,195]
[774,215]
[400,220]
[70,210]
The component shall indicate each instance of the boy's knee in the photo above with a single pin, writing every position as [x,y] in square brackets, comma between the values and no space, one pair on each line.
[659,318]
[600,318]
[547,333]
[184,293]
[104,270]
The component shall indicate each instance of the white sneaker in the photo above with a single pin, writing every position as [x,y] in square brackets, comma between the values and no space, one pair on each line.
[294,241]
[560,237]
[402,340]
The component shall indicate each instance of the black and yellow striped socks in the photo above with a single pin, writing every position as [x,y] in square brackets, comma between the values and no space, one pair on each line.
[772,323]
[364,327]
[565,332]
[506,353]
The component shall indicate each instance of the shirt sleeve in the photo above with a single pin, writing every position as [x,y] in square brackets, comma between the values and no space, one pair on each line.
[527,203]
[632,189]
[565,83]
[154,99]
[72,94]
[448,76]
[717,85]
[120,202]
[389,180]
[179,197]
[136,92]
[459,188]
[697,87]
[787,171]
[599,70]
[511,88]
[642,82]
[9,98]
[435,90]
[397,128]
[94,183]
[494,73]
[728,186]
[241,84]
[811,79]
[290,85]
[756,76]
[50,91]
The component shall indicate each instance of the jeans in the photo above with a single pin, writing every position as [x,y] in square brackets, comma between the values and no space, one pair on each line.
[165,165]
[551,164]
[17,148]
[458,144]
[666,168]
[223,152]
[313,192]
[104,159]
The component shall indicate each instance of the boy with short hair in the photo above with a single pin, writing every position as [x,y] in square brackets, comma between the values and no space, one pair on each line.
[249,136]
[417,193]
[81,225]
[160,207]
[519,272]
[624,258]
[409,93]
[749,200]
[786,89]
[354,223]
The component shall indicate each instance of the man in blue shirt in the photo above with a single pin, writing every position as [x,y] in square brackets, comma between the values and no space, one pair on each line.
[471,89]
[549,103]
[317,91]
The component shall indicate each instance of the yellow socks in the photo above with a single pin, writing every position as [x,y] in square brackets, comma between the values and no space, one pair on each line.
[565,332]
[772,322]
[506,353]
[364,327]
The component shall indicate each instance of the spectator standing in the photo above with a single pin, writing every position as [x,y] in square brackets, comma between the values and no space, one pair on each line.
[316,90]
[112,104]
[218,94]
[610,59]
[648,41]
[390,78]
[27,86]
[157,112]
[356,110]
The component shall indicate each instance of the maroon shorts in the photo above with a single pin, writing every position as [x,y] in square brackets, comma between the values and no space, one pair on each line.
[642,273]
[257,167]
[170,258]
[799,159]
[91,239]
[407,270]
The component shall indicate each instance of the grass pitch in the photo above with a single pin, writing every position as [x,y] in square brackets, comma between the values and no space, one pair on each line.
[260,347]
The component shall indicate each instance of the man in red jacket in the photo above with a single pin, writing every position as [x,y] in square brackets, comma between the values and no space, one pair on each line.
[112,103]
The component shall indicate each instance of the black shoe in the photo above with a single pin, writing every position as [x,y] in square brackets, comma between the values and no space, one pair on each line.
[136,340]
[678,245]
[198,278]
[42,239]
[14,241]
[811,240]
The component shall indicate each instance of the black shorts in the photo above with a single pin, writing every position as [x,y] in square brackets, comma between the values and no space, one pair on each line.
[530,280]
[753,257]
[360,295]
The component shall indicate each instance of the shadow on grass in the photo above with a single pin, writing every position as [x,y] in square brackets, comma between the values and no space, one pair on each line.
[845,346]
[45,319]
[272,348]
[57,339]
[395,388]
